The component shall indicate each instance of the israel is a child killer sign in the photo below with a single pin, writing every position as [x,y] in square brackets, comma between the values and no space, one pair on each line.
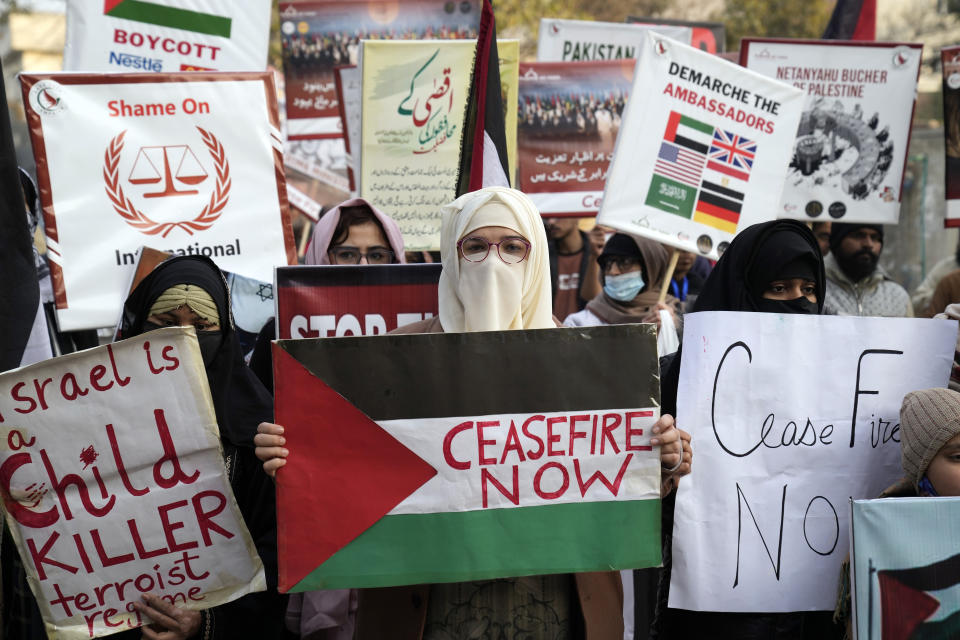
[190,164]
[114,485]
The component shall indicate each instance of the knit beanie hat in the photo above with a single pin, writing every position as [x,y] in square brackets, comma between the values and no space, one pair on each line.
[929,418]
[839,230]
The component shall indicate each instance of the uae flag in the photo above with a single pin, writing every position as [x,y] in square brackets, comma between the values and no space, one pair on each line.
[483,147]
[22,322]
[454,457]
[853,20]
[910,610]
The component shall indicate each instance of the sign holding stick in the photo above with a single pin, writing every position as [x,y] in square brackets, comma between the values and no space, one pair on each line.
[114,485]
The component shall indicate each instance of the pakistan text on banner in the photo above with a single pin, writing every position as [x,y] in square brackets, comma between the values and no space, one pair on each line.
[501,457]
[569,114]
[792,415]
[905,568]
[318,35]
[115,486]
[164,160]
[850,150]
[362,300]
[166,36]
[580,40]
[702,150]
[950,60]
[414,98]
[706,36]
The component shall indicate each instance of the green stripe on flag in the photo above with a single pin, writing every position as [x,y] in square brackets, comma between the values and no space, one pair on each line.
[696,124]
[447,547]
[151,13]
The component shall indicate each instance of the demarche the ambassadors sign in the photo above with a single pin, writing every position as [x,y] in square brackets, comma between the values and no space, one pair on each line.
[161,160]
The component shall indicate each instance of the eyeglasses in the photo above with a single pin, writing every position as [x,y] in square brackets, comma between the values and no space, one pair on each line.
[624,263]
[511,250]
[352,255]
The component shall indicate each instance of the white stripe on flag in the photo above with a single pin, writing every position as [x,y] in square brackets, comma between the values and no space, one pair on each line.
[493,174]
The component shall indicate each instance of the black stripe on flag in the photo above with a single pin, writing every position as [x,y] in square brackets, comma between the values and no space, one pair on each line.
[717,201]
[485,373]
[932,577]
[699,147]
[730,193]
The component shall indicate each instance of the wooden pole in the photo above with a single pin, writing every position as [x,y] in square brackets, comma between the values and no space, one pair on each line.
[674,256]
[304,237]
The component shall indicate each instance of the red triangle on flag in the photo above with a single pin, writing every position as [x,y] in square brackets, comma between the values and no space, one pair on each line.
[343,474]
[903,608]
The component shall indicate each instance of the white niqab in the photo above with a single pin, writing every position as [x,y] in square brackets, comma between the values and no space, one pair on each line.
[492,295]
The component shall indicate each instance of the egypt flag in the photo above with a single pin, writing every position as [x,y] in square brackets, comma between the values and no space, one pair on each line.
[483,147]
[911,598]
[453,457]
[852,20]
[22,322]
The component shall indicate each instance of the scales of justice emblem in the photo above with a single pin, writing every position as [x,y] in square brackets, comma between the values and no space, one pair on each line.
[165,171]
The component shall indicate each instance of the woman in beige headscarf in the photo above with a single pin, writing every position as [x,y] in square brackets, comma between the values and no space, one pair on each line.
[496,276]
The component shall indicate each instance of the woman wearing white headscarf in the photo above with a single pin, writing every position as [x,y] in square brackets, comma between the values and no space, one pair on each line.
[496,276]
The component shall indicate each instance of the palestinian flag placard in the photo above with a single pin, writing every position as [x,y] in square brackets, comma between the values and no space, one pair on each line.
[453,457]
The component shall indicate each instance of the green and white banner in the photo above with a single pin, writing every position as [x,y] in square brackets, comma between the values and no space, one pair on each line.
[454,457]
[166,35]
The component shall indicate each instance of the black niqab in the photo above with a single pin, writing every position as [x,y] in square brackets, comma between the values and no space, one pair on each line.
[240,400]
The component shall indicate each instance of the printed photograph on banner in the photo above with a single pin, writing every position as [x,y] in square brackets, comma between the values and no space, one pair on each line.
[565,481]
[950,60]
[131,160]
[115,485]
[905,590]
[850,150]
[414,98]
[324,161]
[700,144]
[126,36]
[762,526]
[347,300]
[569,115]
[318,35]
[582,40]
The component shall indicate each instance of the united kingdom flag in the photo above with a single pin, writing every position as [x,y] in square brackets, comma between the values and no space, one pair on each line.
[731,154]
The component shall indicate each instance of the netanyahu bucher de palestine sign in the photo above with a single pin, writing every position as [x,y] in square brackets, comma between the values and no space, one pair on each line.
[702,151]
[169,161]
[453,457]
[114,485]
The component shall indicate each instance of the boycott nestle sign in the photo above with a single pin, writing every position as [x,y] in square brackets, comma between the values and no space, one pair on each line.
[114,485]
[457,440]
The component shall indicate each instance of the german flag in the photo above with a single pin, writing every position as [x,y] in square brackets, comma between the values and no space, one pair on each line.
[718,207]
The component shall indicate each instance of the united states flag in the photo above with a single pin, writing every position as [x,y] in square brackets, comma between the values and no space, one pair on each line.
[732,154]
[680,164]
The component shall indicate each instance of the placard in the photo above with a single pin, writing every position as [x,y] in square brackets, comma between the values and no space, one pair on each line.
[792,415]
[318,35]
[702,151]
[414,99]
[849,154]
[580,40]
[706,36]
[569,115]
[166,35]
[349,86]
[163,160]
[906,568]
[114,485]
[467,456]
[353,300]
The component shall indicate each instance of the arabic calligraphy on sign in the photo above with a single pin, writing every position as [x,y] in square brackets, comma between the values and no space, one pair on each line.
[429,104]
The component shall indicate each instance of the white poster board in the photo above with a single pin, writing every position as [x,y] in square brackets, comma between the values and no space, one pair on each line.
[166,35]
[702,151]
[851,146]
[112,474]
[351,83]
[579,40]
[791,416]
[163,160]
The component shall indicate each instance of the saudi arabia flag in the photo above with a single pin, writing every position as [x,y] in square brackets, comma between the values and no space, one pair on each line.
[453,457]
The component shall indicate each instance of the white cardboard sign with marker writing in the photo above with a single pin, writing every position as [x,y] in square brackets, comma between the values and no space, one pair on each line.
[791,416]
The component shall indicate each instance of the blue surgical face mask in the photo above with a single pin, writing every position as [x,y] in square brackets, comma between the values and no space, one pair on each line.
[623,287]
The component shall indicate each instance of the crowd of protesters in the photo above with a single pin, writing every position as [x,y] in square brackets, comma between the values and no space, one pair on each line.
[573,113]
